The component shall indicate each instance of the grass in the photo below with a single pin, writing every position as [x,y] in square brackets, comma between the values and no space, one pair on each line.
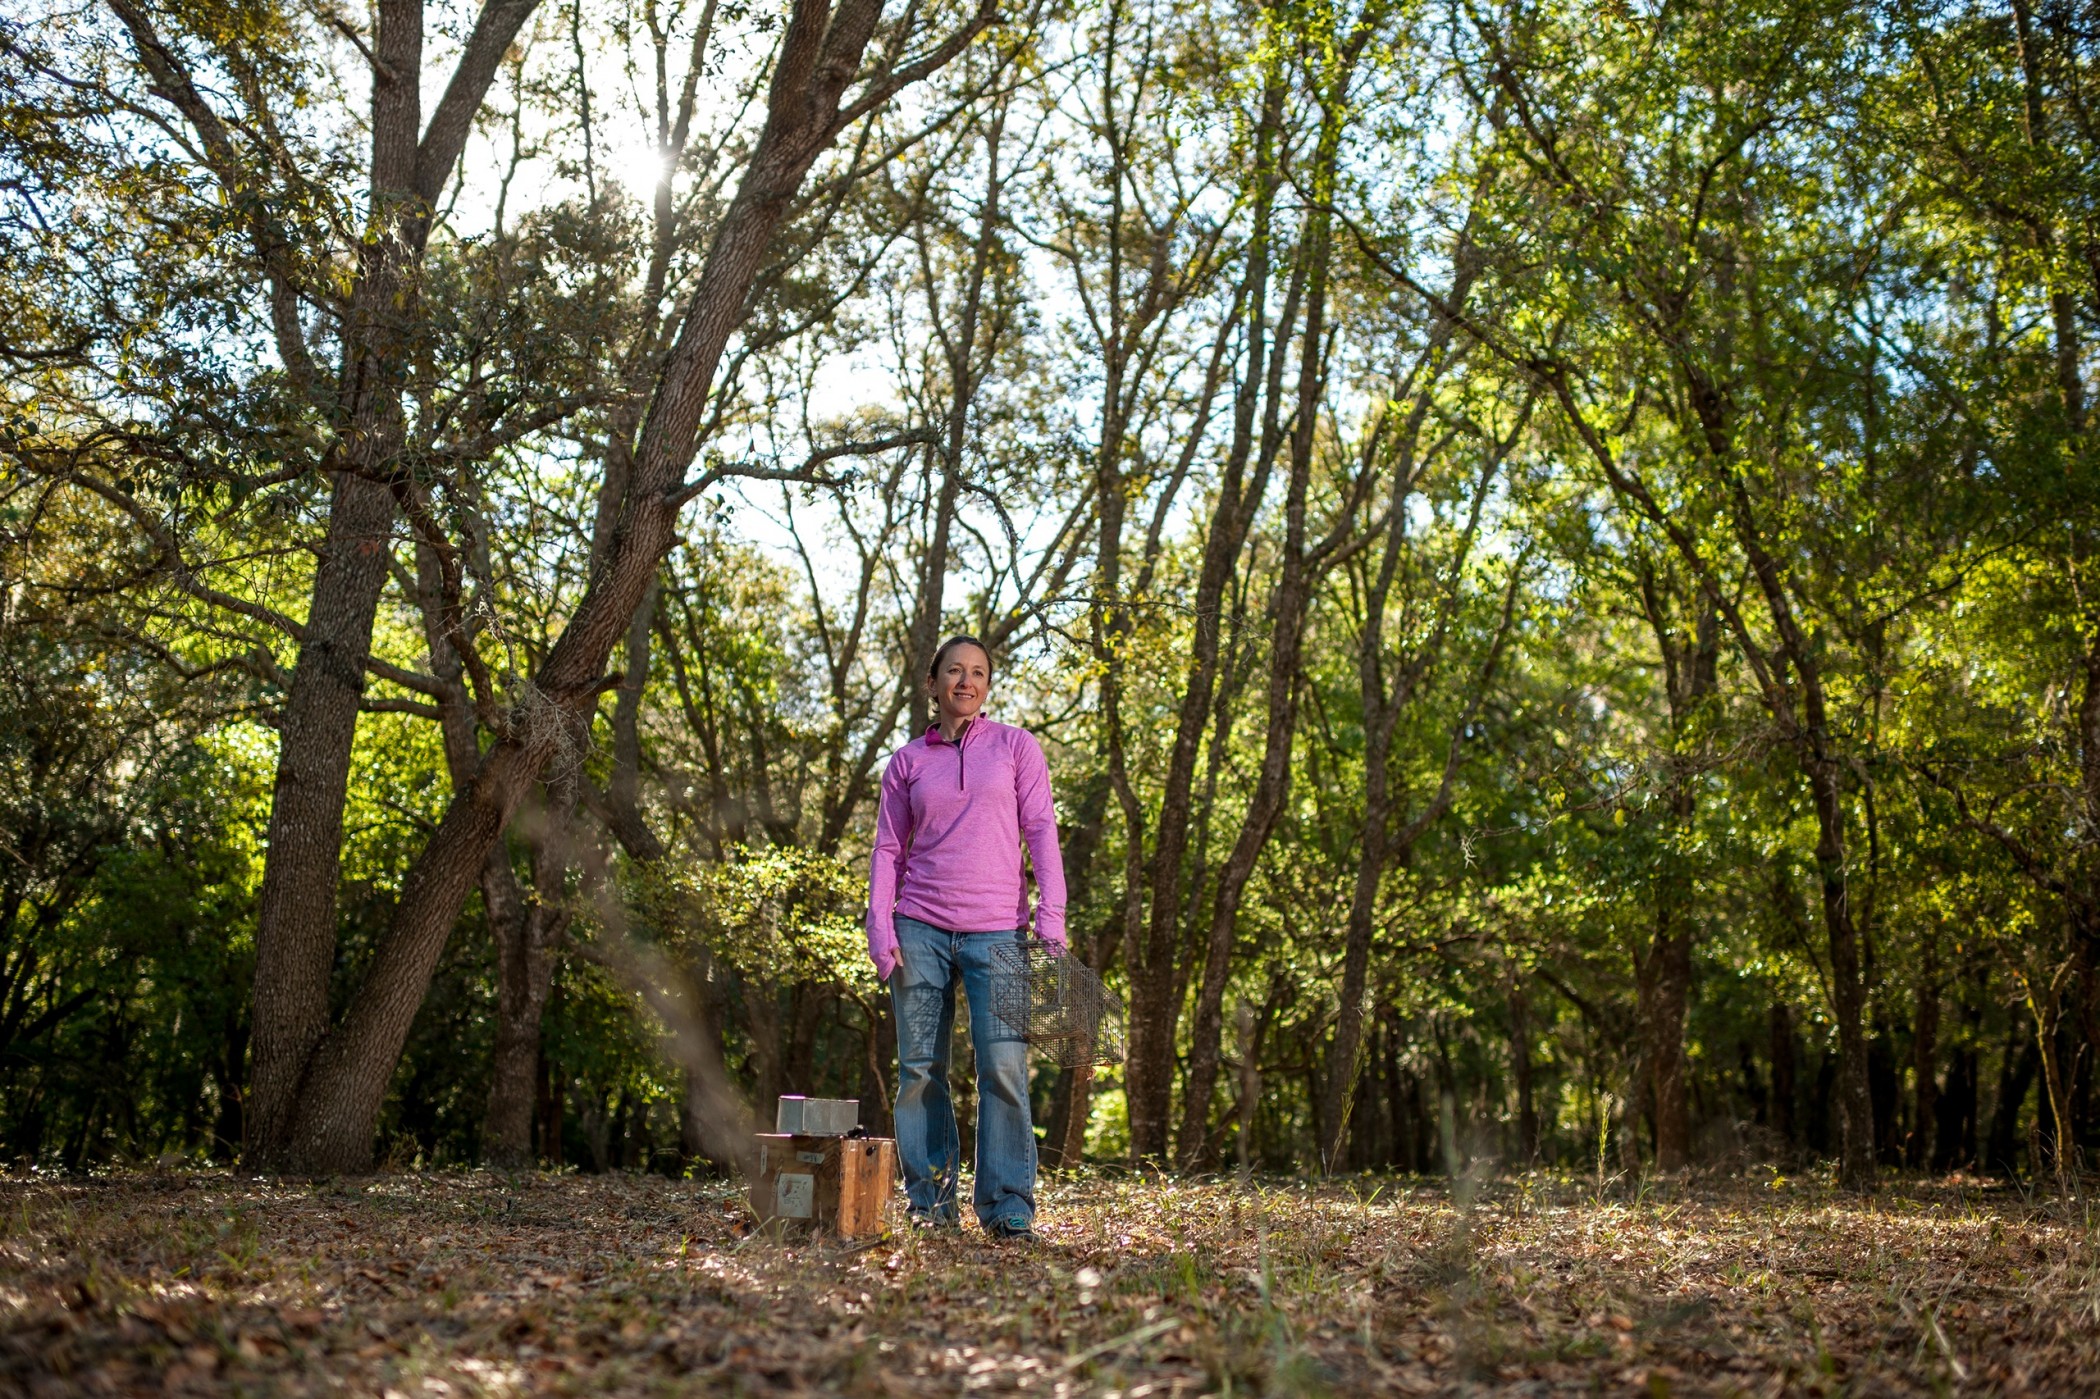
[440,1285]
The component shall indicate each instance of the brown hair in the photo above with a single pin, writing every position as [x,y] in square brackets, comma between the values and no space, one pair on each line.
[933,672]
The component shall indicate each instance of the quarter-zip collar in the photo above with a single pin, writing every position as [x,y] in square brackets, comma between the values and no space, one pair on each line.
[935,738]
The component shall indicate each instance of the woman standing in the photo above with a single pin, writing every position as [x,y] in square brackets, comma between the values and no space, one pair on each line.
[946,888]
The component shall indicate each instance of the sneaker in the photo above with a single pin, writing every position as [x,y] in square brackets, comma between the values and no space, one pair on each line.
[929,1223]
[1013,1230]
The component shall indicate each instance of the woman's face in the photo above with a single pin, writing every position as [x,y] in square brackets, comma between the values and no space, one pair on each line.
[960,684]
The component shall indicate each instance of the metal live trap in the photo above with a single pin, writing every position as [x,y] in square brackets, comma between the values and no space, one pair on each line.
[1055,1002]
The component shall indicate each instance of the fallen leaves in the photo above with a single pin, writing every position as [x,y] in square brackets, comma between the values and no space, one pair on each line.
[436,1286]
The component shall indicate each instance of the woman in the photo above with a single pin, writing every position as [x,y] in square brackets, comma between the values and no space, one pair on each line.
[947,888]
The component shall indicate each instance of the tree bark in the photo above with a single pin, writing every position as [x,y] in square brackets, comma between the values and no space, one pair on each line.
[296,909]
[1663,1028]
[295,915]
[295,918]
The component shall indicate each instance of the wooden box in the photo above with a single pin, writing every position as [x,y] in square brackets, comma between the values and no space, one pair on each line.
[836,1184]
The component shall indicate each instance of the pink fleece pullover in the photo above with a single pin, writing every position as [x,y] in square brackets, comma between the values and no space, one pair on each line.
[948,836]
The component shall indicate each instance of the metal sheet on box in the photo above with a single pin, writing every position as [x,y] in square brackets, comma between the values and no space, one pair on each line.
[817,1117]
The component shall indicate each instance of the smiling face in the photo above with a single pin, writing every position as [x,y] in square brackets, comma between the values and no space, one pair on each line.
[960,683]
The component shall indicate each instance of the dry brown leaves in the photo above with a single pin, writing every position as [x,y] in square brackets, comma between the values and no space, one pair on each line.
[420,1286]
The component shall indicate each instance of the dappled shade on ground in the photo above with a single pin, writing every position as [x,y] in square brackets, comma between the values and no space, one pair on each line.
[444,1285]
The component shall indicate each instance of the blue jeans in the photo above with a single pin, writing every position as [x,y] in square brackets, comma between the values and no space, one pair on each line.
[923,994]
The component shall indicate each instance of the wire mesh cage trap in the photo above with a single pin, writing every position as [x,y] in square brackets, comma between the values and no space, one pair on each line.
[1055,1002]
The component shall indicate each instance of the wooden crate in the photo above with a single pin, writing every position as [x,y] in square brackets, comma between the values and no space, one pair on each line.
[836,1184]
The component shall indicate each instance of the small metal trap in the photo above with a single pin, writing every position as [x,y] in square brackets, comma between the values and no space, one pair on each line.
[1056,1003]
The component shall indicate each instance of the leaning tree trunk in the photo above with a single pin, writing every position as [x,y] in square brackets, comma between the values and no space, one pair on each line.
[819,55]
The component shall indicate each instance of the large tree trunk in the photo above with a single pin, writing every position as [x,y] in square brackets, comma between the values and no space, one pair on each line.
[295,914]
[295,919]
[296,910]
[819,55]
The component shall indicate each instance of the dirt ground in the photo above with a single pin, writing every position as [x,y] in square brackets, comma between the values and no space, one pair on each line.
[407,1286]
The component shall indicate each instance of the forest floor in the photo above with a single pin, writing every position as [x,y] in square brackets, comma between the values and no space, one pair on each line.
[436,1285]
